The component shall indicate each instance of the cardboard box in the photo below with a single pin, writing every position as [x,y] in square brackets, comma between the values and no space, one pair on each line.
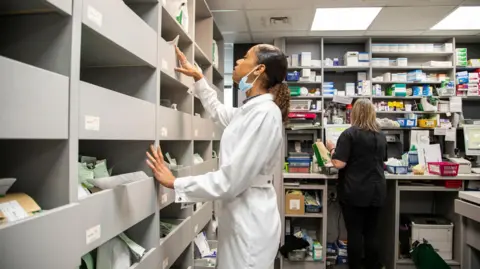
[350,58]
[16,202]
[294,204]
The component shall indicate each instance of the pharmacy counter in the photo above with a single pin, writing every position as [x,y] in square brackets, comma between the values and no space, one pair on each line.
[468,206]
[408,194]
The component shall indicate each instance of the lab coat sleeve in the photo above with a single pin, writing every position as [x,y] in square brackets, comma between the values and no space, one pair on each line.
[208,96]
[252,153]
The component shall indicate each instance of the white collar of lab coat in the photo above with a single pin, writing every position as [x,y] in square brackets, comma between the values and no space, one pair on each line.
[257,100]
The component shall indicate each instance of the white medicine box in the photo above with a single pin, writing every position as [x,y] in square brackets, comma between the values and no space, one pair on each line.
[169,59]
[437,231]
[350,58]
[306,59]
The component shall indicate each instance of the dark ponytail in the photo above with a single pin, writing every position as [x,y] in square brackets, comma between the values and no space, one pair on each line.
[275,71]
[281,95]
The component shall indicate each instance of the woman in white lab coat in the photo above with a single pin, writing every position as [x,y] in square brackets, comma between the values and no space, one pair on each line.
[249,226]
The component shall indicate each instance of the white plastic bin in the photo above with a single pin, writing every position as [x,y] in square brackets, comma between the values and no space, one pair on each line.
[437,231]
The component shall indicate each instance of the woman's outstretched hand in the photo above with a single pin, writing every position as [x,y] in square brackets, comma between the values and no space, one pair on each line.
[187,68]
[160,170]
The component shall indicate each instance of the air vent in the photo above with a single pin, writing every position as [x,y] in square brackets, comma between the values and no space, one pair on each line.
[279,20]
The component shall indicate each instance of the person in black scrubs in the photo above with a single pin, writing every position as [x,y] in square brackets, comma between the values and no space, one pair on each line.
[359,155]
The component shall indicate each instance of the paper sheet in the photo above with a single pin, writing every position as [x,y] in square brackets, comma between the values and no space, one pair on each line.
[419,138]
[429,153]
[456,104]
[451,135]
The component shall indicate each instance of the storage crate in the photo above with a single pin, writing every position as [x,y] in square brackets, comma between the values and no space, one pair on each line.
[437,231]
[425,123]
[300,105]
[397,169]
[404,123]
[446,169]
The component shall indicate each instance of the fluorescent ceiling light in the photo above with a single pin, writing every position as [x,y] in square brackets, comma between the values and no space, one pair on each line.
[344,19]
[462,18]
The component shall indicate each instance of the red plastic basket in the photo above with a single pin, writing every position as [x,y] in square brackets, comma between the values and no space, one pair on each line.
[446,169]
[453,184]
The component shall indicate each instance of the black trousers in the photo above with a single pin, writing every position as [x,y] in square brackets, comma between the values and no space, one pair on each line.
[361,224]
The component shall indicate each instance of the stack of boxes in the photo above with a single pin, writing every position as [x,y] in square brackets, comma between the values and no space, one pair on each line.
[355,58]
[461,56]
[304,59]
[468,83]
[429,47]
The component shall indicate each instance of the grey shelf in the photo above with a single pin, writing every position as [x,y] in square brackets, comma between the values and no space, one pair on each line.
[36,99]
[12,7]
[314,68]
[64,62]
[303,82]
[205,167]
[413,54]
[111,212]
[173,245]
[467,68]
[345,68]
[150,260]
[59,228]
[116,36]
[406,82]
[202,217]
[406,68]
[306,215]
[104,117]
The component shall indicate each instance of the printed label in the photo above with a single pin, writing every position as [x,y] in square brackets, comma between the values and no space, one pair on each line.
[92,123]
[295,204]
[164,64]
[213,134]
[440,131]
[93,234]
[164,132]
[195,229]
[196,132]
[94,16]
[164,198]
[165,263]
[13,211]
[342,100]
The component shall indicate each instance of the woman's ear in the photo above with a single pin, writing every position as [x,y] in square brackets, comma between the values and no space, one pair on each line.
[260,70]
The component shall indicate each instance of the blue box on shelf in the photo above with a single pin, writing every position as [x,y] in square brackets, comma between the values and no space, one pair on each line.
[407,123]
[397,170]
[293,76]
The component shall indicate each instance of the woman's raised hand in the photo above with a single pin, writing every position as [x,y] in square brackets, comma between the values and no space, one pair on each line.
[186,67]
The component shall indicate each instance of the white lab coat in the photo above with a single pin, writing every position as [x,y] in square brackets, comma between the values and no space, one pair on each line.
[249,221]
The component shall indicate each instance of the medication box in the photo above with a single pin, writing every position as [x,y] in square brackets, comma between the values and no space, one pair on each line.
[437,231]
[306,59]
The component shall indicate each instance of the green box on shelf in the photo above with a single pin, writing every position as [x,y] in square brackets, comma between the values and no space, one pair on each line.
[294,90]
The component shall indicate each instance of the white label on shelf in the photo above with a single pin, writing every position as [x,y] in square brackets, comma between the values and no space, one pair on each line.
[92,123]
[294,204]
[165,263]
[196,132]
[93,234]
[164,64]
[213,134]
[451,135]
[440,131]
[164,132]
[342,100]
[94,16]
[13,211]
[195,229]
[164,198]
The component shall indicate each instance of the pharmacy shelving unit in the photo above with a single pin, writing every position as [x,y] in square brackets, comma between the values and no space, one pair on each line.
[335,47]
[93,78]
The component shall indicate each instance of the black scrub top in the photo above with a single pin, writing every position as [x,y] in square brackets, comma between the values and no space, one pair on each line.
[362,181]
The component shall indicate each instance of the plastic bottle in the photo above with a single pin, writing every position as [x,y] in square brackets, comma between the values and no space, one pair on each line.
[348,113]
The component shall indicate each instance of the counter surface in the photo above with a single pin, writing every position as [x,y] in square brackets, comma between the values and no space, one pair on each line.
[470,196]
[387,176]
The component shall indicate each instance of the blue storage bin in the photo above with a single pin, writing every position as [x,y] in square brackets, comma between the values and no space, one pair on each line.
[407,123]
[398,170]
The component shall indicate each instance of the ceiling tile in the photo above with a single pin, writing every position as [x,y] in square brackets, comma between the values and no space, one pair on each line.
[259,20]
[225,4]
[393,33]
[279,4]
[349,3]
[231,21]
[336,33]
[237,37]
[409,3]
[267,37]
[450,32]
[395,18]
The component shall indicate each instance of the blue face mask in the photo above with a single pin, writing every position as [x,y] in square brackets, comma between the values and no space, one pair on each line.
[243,85]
